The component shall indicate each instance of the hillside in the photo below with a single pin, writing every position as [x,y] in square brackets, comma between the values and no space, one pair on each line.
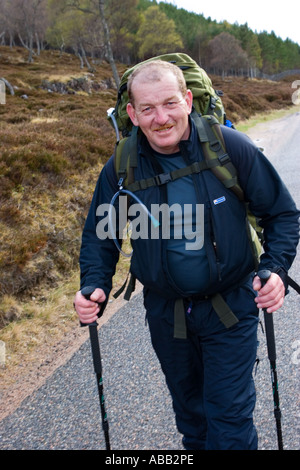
[54,139]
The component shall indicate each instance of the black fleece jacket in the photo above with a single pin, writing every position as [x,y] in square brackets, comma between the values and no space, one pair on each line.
[231,261]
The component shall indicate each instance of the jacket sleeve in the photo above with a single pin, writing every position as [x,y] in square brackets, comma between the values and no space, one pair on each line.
[98,257]
[269,200]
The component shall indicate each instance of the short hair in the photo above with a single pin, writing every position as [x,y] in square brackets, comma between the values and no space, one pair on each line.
[155,72]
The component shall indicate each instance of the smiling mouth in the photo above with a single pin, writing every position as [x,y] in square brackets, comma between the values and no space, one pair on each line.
[164,128]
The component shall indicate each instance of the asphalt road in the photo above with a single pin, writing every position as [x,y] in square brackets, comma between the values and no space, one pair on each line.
[64,413]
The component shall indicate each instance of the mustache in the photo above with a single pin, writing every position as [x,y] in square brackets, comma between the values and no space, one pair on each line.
[164,127]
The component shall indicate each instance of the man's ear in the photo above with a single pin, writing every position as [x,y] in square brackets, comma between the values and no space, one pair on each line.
[132,114]
[189,100]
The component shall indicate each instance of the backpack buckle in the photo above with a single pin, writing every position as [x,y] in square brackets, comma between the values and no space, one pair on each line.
[163,178]
[223,159]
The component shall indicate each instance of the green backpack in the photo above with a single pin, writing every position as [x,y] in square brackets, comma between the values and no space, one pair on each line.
[206,99]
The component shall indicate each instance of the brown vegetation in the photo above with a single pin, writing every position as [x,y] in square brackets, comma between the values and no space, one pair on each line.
[244,97]
[54,139]
[52,148]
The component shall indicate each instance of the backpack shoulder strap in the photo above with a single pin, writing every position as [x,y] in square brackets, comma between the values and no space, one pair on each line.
[125,158]
[215,158]
[215,154]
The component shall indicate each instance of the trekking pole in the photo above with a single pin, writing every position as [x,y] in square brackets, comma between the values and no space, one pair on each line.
[86,292]
[270,336]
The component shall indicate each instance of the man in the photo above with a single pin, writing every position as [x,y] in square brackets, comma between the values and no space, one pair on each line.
[208,370]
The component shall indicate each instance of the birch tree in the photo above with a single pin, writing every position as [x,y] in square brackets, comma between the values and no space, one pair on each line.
[30,23]
[96,7]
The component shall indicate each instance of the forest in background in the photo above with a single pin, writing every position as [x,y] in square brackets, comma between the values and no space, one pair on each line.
[134,30]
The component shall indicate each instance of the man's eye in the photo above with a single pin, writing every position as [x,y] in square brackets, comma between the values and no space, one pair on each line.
[171,104]
[147,109]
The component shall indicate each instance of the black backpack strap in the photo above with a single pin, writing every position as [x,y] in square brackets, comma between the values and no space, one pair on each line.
[287,280]
[130,287]
[293,284]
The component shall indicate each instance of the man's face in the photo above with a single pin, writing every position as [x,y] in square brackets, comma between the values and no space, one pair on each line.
[161,111]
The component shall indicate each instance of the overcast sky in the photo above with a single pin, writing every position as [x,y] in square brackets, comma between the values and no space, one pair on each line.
[282,17]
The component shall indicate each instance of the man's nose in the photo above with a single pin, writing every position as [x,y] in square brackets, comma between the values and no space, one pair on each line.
[161,114]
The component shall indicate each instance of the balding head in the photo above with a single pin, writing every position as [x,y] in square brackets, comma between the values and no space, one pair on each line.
[155,71]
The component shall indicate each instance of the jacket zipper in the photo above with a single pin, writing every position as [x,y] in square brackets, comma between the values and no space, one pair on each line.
[214,245]
[213,242]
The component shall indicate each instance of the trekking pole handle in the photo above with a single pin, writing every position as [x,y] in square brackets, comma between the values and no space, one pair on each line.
[87,292]
[264,276]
